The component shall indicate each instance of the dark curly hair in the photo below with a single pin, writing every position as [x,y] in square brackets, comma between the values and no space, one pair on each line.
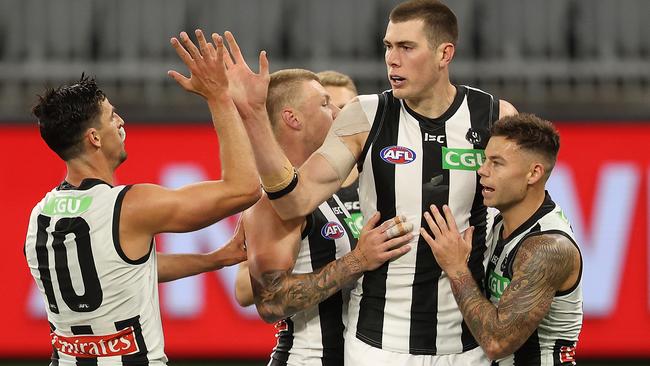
[531,133]
[65,113]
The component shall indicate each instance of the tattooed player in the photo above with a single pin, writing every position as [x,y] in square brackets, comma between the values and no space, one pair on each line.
[298,267]
[534,312]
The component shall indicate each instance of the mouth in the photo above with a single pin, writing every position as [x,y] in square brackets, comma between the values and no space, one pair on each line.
[122,133]
[396,81]
[486,189]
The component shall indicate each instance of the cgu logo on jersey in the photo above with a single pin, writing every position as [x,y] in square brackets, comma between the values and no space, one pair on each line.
[332,230]
[67,205]
[462,159]
[397,155]
[497,285]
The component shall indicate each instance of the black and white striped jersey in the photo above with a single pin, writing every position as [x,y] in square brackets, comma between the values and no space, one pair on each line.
[102,307]
[350,197]
[410,162]
[315,336]
[554,341]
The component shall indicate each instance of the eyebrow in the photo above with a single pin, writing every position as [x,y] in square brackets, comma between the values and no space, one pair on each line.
[495,157]
[401,43]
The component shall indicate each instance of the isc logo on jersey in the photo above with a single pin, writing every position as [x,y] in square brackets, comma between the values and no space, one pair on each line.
[332,230]
[397,155]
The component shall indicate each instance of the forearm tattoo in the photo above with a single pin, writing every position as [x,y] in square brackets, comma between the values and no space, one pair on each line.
[279,294]
[541,266]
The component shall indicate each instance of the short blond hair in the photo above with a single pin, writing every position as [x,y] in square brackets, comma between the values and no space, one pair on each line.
[284,89]
[335,78]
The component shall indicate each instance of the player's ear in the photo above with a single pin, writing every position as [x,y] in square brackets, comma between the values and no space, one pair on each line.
[446,52]
[93,138]
[290,118]
[536,173]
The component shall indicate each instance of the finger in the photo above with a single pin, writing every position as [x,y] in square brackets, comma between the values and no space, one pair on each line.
[211,47]
[264,64]
[221,53]
[451,221]
[399,230]
[427,237]
[467,234]
[182,52]
[398,241]
[234,49]
[397,252]
[442,224]
[225,55]
[432,225]
[372,222]
[190,47]
[180,79]
[392,222]
[203,44]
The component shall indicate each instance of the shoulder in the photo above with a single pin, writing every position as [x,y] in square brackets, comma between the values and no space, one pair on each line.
[506,109]
[550,253]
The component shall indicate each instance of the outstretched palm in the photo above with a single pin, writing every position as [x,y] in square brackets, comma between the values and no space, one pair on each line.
[207,70]
[247,88]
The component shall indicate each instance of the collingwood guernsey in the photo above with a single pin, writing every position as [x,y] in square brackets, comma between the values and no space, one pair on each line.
[102,306]
[315,336]
[410,162]
[554,340]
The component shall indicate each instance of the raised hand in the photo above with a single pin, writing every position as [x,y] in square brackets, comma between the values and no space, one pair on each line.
[247,88]
[206,64]
[387,241]
[448,246]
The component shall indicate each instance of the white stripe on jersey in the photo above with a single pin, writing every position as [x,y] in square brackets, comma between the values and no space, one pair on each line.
[400,270]
[460,203]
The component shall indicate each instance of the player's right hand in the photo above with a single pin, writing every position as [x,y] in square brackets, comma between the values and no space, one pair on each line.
[378,244]
[247,88]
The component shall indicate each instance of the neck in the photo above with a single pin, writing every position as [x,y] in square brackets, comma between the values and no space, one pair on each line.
[435,102]
[82,168]
[295,149]
[518,213]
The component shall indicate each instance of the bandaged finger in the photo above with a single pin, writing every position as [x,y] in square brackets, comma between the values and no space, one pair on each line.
[398,229]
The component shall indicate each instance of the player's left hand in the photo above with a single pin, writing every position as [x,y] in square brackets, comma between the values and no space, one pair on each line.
[234,251]
[450,248]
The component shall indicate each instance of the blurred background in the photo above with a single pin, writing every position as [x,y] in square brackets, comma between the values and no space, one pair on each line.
[584,64]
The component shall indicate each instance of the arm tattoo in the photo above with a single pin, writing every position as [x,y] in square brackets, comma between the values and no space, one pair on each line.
[541,265]
[279,294]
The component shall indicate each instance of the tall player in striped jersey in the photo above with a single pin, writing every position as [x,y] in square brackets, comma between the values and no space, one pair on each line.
[90,245]
[299,267]
[418,144]
[534,312]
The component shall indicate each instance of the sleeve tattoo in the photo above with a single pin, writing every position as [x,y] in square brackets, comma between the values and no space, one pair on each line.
[541,266]
[280,294]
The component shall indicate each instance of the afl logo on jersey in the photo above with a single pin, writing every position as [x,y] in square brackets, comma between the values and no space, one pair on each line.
[397,155]
[332,230]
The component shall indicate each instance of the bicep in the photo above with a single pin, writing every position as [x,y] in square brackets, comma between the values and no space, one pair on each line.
[243,289]
[272,243]
[540,267]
